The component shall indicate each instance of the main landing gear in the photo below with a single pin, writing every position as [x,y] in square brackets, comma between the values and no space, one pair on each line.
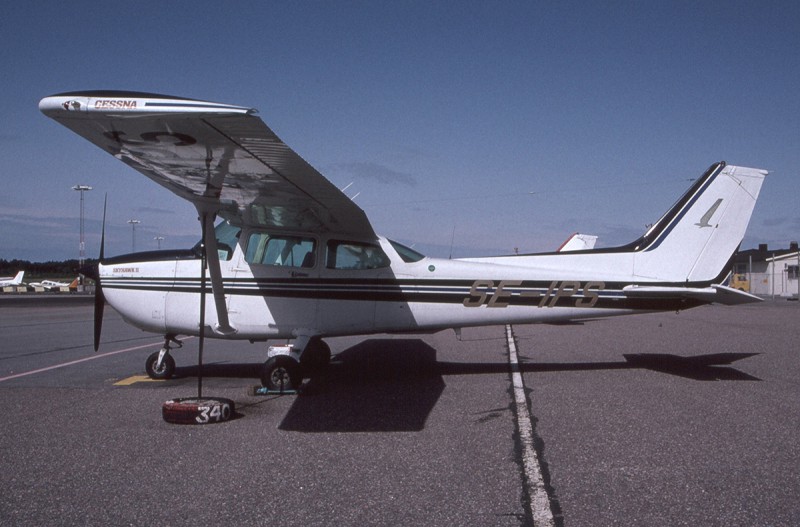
[160,365]
[284,370]
[286,365]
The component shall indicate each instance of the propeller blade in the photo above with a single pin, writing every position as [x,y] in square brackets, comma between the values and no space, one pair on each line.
[99,305]
[99,298]
[103,231]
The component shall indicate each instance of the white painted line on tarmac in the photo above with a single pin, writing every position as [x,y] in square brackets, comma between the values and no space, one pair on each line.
[539,500]
[70,363]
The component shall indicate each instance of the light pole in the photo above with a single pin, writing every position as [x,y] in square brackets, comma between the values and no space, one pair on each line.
[133,234]
[82,246]
[159,239]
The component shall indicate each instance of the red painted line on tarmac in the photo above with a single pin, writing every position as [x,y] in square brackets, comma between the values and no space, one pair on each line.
[92,357]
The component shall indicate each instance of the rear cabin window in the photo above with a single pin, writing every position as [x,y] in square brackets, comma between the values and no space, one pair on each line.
[408,254]
[282,251]
[355,255]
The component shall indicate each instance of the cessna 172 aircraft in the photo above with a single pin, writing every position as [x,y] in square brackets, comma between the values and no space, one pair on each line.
[294,258]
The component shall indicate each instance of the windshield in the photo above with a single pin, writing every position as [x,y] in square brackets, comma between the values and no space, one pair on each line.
[227,237]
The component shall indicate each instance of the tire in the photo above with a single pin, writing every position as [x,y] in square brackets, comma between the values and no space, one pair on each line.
[281,374]
[198,411]
[316,357]
[166,370]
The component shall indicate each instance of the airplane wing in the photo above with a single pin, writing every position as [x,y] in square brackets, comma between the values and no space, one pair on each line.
[222,158]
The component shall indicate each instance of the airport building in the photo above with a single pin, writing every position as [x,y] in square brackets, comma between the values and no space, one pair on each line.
[767,272]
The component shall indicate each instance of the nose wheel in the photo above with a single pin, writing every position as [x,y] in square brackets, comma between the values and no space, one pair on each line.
[160,365]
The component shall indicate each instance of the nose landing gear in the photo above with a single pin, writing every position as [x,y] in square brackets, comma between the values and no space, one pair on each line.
[160,365]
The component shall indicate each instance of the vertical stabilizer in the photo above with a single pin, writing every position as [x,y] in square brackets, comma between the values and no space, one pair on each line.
[696,239]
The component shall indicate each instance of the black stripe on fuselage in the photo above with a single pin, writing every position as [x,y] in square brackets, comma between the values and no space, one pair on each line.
[528,293]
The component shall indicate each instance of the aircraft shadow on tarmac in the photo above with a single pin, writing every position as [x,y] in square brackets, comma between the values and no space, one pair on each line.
[390,385]
[378,385]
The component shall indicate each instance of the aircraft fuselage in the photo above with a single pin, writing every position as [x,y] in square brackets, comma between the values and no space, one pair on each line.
[285,299]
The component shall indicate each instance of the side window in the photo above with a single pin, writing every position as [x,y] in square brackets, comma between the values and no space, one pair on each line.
[279,250]
[355,255]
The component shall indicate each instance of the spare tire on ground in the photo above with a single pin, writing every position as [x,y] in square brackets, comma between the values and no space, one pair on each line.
[198,410]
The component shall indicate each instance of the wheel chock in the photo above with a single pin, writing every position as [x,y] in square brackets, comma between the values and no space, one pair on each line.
[263,390]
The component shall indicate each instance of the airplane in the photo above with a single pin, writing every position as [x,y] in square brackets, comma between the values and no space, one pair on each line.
[54,284]
[7,281]
[293,258]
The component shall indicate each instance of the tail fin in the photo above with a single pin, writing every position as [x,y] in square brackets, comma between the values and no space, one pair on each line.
[696,239]
[18,278]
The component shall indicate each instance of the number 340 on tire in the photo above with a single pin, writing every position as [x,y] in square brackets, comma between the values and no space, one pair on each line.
[213,413]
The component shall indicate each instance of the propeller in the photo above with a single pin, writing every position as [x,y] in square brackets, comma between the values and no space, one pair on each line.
[99,299]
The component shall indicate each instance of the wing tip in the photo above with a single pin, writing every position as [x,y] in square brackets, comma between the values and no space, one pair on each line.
[119,102]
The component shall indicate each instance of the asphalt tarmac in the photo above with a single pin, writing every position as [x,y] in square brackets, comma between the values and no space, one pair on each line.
[661,419]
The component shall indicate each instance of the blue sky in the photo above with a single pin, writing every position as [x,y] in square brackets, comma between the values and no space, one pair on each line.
[497,125]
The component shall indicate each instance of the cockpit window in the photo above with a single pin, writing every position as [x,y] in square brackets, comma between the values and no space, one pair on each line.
[408,254]
[280,250]
[227,237]
[355,255]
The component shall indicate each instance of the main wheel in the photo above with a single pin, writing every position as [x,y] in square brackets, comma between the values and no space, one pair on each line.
[165,371]
[316,356]
[281,373]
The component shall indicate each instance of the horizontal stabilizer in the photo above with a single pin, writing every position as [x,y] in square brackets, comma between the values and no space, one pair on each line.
[718,294]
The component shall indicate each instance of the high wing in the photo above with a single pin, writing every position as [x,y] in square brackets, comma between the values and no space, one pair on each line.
[222,158]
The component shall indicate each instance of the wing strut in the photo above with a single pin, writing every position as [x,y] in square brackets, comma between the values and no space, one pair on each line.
[212,260]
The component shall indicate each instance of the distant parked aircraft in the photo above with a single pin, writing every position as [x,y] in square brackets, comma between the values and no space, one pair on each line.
[53,284]
[12,280]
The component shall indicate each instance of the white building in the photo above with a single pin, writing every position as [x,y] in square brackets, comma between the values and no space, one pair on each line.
[782,275]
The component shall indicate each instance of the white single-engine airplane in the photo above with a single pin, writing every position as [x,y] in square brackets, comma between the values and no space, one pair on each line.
[294,258]
[51,285]
[7,281]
